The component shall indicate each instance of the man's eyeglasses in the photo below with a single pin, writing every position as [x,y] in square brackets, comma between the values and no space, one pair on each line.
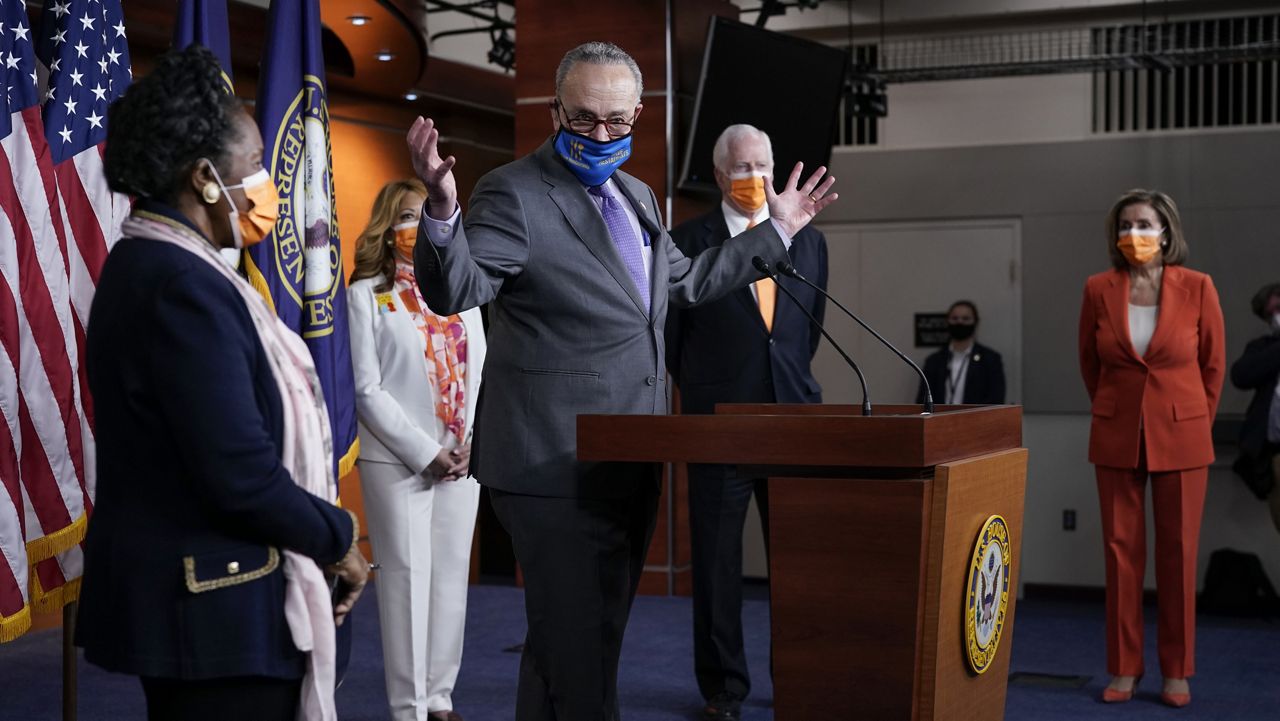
[585,124]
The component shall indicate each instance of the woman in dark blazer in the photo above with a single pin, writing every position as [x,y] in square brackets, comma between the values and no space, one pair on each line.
[214,510]
[964,371]
[1258,370]
[1153,360]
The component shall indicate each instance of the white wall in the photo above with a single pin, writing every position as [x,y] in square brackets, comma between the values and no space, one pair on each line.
[1225,183]
[1059,477]
[987,111]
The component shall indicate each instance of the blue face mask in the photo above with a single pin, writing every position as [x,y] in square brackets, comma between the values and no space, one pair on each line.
[591,160]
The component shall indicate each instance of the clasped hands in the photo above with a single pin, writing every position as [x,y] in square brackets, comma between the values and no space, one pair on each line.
[450,464]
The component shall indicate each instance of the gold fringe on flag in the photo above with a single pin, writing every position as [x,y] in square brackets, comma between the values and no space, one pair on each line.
[52,544]
[51,601]
[348,461]
[14,626]
[259,283]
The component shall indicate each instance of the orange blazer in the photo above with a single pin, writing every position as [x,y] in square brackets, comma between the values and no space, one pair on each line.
[1172,392]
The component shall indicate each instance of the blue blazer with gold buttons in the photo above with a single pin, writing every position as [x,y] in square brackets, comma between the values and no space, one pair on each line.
[182,573]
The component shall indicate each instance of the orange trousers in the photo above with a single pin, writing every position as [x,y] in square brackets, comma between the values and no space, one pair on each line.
[1177,505]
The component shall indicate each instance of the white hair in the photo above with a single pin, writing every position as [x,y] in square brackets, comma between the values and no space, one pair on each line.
[720,153]
[598,53]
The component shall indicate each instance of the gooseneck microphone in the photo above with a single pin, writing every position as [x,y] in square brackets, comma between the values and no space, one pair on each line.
[762,265]
[790,270]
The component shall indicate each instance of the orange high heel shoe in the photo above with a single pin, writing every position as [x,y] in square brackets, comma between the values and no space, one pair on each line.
[1176,700]
[1110,695]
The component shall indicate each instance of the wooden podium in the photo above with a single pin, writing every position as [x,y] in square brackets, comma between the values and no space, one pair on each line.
[873,524]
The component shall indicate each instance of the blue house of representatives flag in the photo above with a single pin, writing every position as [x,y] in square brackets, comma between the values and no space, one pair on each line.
[298,268]
[205,22]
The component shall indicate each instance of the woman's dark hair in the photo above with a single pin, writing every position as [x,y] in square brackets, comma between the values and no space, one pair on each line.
[1262,297]
[175,115]
[968,304]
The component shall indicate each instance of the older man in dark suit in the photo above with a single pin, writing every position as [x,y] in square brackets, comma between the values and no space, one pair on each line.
[579,270]
[748,347]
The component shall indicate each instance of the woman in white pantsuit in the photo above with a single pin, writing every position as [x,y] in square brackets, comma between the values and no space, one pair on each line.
[417,375]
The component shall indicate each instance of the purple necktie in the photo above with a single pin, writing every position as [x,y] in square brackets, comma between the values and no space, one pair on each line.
[624,237]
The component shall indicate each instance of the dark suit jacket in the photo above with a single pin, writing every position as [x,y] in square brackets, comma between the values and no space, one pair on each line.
[721,352]
[984,380]
[1257,370]
[189,426]
[568,330]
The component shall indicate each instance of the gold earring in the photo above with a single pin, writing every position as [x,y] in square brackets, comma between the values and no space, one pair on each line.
[210,192]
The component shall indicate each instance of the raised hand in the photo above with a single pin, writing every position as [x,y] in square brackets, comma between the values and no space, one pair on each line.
[436,174]
[796,205]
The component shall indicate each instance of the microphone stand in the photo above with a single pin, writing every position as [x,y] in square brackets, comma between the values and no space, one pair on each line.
[790,270]
[763,266]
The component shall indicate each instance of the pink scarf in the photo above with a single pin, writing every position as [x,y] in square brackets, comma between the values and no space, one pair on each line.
[306,454]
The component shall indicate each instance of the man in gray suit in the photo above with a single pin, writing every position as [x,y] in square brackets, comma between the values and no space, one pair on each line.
[579,270]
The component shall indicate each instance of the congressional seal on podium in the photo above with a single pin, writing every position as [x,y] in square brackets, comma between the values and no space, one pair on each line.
[988,596]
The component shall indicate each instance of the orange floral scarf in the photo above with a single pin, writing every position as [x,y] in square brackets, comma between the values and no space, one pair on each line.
[446,353]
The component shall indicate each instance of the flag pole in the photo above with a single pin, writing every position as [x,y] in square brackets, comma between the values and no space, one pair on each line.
[69,685]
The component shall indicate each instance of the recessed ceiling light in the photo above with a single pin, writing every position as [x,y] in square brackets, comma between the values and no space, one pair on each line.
[359,20]
[385,56]
[410,95]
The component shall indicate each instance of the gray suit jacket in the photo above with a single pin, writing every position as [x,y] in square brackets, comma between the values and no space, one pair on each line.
[568,333]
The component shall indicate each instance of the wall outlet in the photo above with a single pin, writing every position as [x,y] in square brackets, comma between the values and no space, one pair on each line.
[1068,519]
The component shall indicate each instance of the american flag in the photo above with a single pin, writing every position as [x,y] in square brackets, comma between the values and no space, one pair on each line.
[84,49]
[57,221]
[41,448]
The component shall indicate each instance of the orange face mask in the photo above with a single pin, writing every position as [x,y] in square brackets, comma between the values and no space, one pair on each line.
[748,192]
[406,238]
[1140,245]
[252,227]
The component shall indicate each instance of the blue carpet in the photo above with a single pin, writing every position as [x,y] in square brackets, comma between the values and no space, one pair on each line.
[1238,668]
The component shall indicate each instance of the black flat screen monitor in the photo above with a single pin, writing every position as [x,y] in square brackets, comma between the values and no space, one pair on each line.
[786,86]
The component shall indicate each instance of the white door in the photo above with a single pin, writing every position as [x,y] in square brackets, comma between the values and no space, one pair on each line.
[888,272]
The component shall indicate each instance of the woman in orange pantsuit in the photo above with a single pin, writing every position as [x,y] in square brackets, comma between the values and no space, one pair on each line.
[1153,361]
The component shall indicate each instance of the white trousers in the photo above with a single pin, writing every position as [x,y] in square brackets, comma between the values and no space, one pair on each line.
[421,533]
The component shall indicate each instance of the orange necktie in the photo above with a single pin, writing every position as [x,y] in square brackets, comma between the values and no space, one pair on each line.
[766,294]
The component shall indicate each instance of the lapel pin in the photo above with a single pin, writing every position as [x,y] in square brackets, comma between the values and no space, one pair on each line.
[976,358]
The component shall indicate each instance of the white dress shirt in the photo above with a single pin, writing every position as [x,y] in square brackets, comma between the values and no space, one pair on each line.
[957,374]
[1142,325]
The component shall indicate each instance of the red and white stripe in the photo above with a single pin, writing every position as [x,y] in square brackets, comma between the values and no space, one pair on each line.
[46,436]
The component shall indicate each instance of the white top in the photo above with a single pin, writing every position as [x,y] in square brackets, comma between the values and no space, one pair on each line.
[395,403]
[1142,325]
[957,373]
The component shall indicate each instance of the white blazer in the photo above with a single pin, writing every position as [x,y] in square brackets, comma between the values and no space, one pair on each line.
[395,404]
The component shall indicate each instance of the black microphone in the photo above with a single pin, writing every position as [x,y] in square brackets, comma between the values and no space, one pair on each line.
[789,269]
[763,266]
